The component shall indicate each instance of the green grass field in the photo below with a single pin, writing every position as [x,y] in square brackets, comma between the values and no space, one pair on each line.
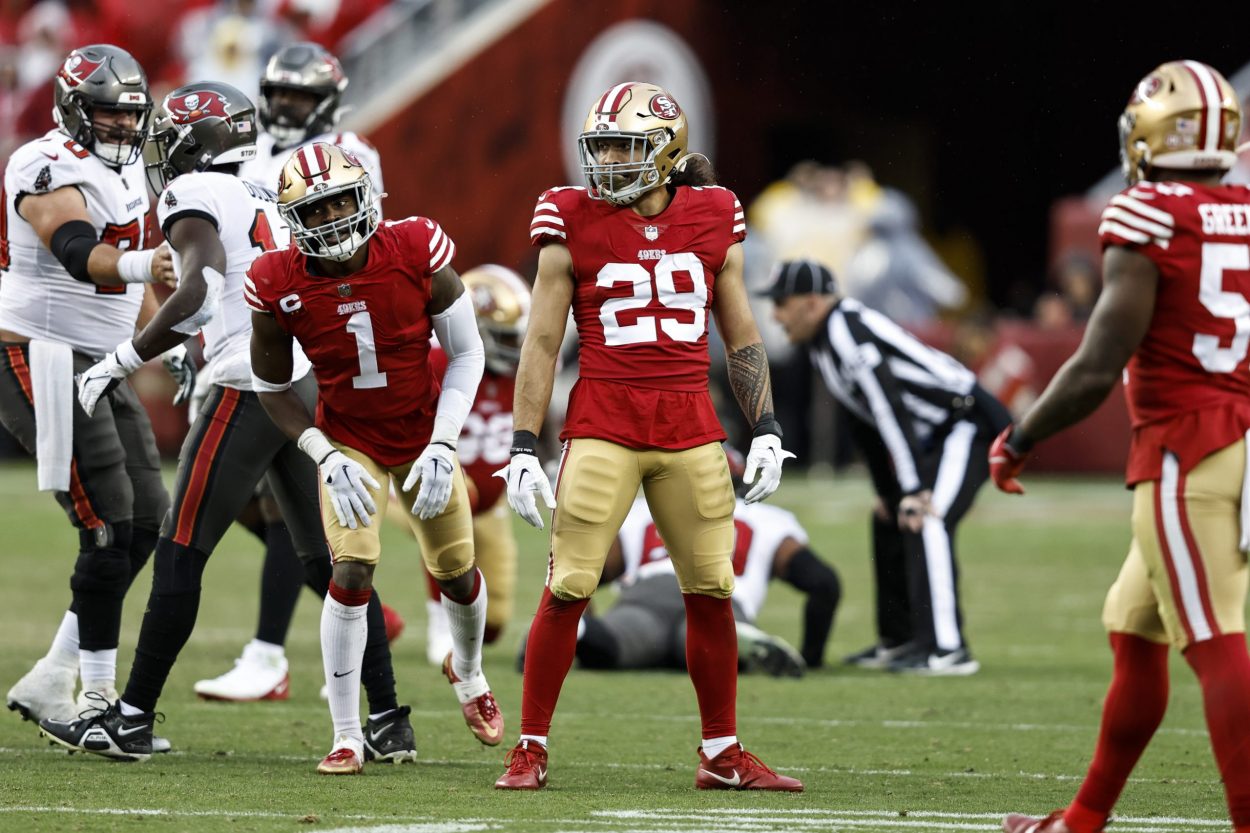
[877,752]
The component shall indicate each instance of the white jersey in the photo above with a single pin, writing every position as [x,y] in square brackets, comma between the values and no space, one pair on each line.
[38,298]
[759,530]
[247,222]
[266,167]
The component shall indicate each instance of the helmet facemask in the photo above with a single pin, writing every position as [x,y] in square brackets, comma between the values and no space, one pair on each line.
[111,143]
[287,127]
[338,239]
[622,183]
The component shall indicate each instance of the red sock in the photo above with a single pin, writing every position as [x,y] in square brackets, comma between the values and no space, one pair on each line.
[1133,710]
[431,587]
[549,654]
[712,657]
[1223,668]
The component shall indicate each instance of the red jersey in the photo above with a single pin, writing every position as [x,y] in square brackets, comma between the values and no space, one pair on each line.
[1188,383]
[643,287]
[367,336]
[485,443]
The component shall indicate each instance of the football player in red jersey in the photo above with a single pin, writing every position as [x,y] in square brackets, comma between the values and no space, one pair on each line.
[363,299]
[1174,319]
[641,255]
[501,301]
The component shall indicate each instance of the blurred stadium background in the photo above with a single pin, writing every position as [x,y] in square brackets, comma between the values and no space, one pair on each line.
[949,167]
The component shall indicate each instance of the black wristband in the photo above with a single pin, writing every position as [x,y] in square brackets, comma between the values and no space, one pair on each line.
[524,442]
[1020,441]
[443,443]
[767,424]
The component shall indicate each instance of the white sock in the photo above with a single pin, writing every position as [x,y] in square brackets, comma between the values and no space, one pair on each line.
[436,618]
[581,627]
[468,624]
[542,739]
[64,650]
[128,710]
[97,668]
[714,746]
[343,632]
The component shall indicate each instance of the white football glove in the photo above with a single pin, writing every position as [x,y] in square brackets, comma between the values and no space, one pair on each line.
[765,457]
[525,476]
[182,368]
[434,468]
[106,374]
[348,483]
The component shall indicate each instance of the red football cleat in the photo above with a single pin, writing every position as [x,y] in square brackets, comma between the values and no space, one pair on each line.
[738,769]
[1017,823]
[343,760]
[527,767]
[394,623]
[481,712]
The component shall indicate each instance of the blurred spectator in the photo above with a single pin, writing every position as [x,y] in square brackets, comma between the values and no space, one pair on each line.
[1052,312]
[326,21]
[230,42]
[1003,368]
[45,34]
[1079,281]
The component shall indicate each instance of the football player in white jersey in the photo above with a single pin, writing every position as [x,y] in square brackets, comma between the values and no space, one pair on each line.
[72,237]
[217,224]
[301,92]
[646,627]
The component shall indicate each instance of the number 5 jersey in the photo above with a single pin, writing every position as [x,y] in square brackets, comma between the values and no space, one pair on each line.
[38,298]
[1188,383]
[643,288]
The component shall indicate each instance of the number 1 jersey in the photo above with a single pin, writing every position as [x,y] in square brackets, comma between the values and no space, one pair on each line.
[1188,383]
[367,335]
[643,290]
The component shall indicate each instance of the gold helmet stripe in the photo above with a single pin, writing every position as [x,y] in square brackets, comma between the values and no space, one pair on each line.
[1212,114]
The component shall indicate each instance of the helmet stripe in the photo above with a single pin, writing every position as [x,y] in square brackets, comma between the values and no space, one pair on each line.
[612,102]
[323,162]
[1210,91]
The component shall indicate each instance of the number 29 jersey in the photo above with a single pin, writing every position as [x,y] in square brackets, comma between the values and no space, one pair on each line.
[367,336]
[1188,383]
[643,289]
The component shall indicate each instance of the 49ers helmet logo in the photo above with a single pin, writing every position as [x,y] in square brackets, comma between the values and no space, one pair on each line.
[351,158]
[194,106]
[664,107]
[77,69]
[1149,85]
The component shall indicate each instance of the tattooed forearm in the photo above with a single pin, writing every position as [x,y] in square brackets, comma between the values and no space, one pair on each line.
[748,376]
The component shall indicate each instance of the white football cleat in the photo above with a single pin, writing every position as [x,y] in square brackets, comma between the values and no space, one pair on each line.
[259,674]
[45,693]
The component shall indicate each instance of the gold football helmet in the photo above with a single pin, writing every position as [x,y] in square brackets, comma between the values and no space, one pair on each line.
[501,301]
[321,171]
[652,129]
[1183,115]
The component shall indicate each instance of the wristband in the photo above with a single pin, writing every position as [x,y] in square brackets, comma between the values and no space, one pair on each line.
[524,442]
[314,443]
[136,267]
[767,424]
[1020,441]
[127,356]
[443,443]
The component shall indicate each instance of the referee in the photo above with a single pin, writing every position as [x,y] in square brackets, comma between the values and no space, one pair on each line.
[924,427]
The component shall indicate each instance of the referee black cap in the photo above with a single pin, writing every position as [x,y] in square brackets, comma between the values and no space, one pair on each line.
[799,277]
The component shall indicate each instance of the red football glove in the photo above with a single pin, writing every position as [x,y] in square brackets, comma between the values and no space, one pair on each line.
[1006,464]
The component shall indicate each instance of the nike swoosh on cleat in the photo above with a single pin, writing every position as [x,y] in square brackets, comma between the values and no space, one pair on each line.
[488,730]
[729,782]
[541,772]
[373,736]
[345,673]
[131,730]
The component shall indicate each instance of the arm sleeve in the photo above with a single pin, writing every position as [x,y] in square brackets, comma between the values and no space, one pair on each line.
[808,574]
[456,328]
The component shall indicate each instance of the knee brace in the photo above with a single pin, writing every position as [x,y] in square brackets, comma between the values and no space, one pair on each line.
[103,566]
[177,570]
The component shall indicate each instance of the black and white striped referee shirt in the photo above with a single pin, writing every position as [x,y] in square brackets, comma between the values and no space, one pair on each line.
[888,378]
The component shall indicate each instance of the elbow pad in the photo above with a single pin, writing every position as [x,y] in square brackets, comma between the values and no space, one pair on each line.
[456,328]
[71,244]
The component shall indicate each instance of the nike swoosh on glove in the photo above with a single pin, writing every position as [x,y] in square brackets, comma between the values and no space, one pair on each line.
[525,476]
[1006,463]
[765,458]
[182,368]
[434,468]
[97,380]
[348,483]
